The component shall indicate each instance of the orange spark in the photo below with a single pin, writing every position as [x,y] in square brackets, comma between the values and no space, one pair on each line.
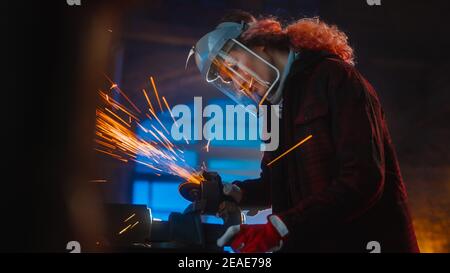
[137,222]
[117,105]
[156,93]
[117,138]
[131,145]
[173,118]
[207,146]
[125,229]
[159,121]
[142,127]
[148,100]
[170,111]
[290,149]
[112,147]
[166,140]
[119,118]
[148,165]
[116,87]
[263,99]
[131,216]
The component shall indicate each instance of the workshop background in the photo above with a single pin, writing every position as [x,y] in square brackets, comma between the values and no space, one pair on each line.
[401,48]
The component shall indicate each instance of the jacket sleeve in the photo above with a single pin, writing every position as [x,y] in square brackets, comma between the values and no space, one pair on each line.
[359,180]
[256,192]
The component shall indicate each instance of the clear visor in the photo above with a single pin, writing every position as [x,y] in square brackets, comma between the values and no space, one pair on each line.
[241,74]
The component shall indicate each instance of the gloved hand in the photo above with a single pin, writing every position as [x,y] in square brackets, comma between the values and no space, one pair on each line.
[267,237]
[227,208]
[233,191]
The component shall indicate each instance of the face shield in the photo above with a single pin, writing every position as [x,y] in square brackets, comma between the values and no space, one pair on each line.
[241,74]
[233,68]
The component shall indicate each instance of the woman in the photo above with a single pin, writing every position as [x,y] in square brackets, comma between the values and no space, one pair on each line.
[341,191]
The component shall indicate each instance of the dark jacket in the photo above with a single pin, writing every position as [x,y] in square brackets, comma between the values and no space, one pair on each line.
[342,188]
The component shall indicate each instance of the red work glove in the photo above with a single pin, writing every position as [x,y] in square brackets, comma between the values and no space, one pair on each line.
[256,238]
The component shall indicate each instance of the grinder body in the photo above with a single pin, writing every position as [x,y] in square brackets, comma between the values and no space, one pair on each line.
[207,196]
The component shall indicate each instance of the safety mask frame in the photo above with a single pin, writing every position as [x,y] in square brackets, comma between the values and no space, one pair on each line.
[238,81]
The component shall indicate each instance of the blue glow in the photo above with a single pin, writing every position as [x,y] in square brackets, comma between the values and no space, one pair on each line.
[234,164]
[191,158]
[141,192]
[165,197]
[228,249]
[235,169]
[210,219]
[161,215]
[255,144]
[161,196]
[141,168]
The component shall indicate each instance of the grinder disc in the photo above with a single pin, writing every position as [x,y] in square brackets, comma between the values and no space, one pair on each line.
[190,191]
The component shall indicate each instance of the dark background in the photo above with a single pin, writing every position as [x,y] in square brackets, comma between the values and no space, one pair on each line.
[55,54]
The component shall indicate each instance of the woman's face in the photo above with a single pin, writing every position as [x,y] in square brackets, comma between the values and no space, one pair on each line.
[248,73]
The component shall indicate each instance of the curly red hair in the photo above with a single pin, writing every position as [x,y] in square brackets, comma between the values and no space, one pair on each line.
[306,33]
